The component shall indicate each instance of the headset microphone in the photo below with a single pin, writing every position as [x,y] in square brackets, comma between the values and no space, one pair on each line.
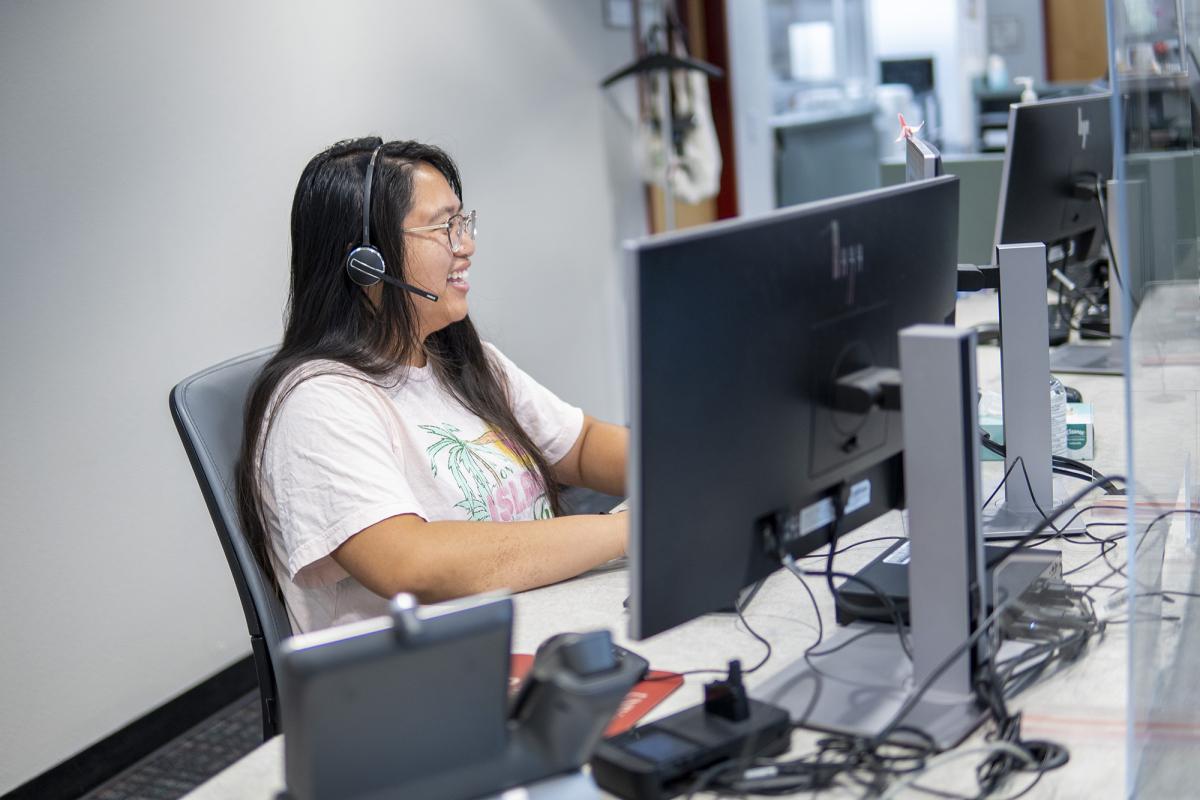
[365,264]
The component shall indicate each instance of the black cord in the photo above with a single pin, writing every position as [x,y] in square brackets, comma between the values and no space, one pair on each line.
[1119,570]
[1089,562]
[1066,311]
[856,544]
[1033,496]
[1000,485]
[840,602]
[1112,251]
[867,761]
[1062,465]
[1023,542]
[790,564]
[766,656]
[945,664]
[867,612]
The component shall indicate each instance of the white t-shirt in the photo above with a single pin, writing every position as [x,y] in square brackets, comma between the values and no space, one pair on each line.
[343,454]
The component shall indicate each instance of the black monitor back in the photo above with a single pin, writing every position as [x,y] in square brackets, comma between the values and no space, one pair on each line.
[739,329]
[1051,145]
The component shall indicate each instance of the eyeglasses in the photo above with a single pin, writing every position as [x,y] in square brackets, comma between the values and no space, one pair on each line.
[459,228]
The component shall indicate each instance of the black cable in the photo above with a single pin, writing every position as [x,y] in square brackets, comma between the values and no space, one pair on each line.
[843,645]
[766,656]
[945,664]
[867,612]
[1081,295]
[1090,561]
[1119,570]
[1033,496]
[1062,465]
[1113,570]
[853,756]
[1112,251]
[1000,485]
[840,602]
[1049,521]
[713,671]
[857,544]
[992,688]
[790,564]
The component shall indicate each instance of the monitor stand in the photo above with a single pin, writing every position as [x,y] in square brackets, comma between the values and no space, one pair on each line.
[1077,358]
[860,680]
[1025,378]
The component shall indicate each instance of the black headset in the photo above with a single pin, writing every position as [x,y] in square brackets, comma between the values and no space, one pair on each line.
[365,264]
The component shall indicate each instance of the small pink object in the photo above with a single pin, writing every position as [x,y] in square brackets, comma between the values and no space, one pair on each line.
[906,130]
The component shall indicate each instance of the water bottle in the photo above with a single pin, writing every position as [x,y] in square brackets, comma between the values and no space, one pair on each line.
[997,73]
[1058,417]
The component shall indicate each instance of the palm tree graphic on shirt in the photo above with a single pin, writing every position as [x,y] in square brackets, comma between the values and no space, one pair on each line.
[488,472]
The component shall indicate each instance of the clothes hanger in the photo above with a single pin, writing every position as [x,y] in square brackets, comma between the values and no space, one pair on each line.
[658,60]
[655,62]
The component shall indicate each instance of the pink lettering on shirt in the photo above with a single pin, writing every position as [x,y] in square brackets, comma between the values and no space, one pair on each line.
[513,498]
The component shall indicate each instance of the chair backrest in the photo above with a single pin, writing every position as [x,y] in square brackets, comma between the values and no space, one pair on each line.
[208,409]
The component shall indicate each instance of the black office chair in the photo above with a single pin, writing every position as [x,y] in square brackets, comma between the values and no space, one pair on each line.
[208,409]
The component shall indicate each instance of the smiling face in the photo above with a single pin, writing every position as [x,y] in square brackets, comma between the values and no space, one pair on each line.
[429,261]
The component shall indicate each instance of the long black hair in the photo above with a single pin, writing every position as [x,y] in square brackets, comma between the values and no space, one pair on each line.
[330,318]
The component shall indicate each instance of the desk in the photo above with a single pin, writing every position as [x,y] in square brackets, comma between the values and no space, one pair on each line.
[1082,706]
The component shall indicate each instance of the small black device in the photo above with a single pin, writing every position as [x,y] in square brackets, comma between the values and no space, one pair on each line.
[1095,324]
[365,264]
[1058,320]
[889,573]
[660,760]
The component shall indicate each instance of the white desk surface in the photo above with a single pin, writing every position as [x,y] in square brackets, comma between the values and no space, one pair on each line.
[1082,706]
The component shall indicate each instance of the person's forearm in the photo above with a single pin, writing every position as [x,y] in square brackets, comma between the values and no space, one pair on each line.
[602,462]
[443,560]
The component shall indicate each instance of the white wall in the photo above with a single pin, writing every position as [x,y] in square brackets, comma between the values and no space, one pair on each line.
[1017,31]
[750,96]
[150,152]
[952,32]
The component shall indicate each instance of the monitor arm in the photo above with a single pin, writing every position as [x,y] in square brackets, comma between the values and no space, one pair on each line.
[861,391]
[976,278]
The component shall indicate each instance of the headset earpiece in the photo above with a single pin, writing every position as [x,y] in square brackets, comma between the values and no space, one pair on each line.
[365,265]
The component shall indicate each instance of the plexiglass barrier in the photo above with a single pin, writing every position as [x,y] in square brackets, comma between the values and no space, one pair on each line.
[1153,583]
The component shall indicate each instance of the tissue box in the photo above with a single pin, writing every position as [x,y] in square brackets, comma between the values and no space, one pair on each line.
[1081,442]
[1081,435]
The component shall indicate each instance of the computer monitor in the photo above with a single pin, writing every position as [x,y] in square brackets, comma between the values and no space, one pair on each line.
[921,160]
[915,72]
[1053,145]
[740,329]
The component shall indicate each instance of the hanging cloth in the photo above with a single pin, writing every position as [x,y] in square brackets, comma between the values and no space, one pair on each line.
[695,171]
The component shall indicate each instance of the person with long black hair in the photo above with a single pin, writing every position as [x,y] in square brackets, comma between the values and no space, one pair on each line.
[387,448]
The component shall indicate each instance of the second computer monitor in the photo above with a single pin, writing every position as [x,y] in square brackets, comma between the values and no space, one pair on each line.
[740,330]
[1055,147]
[921,160]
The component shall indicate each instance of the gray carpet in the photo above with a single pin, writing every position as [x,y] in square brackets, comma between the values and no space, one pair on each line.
[187,761]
